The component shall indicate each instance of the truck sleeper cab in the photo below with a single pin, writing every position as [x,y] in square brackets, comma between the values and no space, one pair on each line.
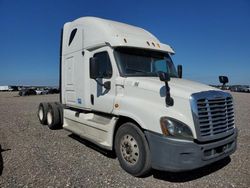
[121,90]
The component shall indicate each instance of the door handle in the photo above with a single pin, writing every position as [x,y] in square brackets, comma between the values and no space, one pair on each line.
[92,99]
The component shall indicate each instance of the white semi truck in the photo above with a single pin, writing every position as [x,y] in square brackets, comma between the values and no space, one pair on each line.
[121,90]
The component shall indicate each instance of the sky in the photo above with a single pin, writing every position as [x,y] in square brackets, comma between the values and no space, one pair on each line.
[210,38]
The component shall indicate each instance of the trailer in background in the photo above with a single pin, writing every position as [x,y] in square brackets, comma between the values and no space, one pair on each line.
[5,88]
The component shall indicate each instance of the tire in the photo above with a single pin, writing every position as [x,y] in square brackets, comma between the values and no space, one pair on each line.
[60,108]
[132,150]
[53,116]
[42,112]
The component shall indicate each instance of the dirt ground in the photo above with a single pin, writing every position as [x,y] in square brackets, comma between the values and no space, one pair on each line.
[31,155]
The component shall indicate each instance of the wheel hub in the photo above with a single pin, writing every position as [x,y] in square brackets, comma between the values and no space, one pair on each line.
[129,149]
[49,118]
[41,114]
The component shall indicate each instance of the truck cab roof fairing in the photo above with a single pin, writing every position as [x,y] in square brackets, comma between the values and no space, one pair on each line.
[101,31]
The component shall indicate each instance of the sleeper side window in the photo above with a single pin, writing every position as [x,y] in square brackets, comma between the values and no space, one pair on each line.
[105,68]
[72,35]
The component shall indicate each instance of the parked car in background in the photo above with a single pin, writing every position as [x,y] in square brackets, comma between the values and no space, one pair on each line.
[38,92]
[247,89]
[240,89]
[234,88]
[53,91]
[14,88]
[42,91]
[26,92]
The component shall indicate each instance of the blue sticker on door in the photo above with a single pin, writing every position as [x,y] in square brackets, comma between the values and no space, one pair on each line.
[79,101]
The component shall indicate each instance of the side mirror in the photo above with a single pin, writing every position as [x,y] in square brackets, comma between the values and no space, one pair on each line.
[107,85]
[179,69]
[164,76]
[223,79]
[93,68]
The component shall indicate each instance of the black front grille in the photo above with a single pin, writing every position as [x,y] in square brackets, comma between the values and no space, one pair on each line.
[214,113]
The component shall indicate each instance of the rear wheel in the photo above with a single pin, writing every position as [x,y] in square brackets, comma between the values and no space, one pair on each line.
[42,112]
[132,150]
[60,108]
[53,116]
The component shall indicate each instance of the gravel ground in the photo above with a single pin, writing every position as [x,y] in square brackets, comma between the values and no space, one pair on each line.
[31,155]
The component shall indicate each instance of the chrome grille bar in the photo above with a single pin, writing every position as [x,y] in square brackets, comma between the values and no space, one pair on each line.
[213,114]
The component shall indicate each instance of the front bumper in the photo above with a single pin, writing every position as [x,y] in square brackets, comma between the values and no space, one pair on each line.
[180,155]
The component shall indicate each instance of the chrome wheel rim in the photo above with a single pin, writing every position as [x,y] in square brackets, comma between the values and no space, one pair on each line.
[129,149]
[49,118]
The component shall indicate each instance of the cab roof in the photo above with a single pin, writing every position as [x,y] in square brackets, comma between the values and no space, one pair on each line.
[98,31]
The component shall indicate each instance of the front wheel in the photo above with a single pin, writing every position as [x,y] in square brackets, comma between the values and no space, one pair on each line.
[132,150]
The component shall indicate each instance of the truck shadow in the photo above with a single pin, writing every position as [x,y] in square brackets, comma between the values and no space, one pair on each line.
[107,153]
[1,159]
[179,177]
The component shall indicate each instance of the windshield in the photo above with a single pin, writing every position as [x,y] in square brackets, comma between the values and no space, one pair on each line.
[141,62]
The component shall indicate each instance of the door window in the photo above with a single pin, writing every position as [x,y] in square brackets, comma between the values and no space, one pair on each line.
[105,68]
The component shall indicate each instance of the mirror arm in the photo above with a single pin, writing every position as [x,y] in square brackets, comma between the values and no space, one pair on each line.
[169,100]
[106,85]
[179,70]
[165,78]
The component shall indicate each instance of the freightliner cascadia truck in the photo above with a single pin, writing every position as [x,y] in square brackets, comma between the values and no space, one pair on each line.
[121,91]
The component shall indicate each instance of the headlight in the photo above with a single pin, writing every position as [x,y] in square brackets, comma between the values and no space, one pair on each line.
[175,128]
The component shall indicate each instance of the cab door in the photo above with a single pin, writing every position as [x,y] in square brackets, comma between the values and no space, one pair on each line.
[102,99]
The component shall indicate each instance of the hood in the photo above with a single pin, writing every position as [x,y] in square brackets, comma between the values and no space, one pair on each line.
[178,87]
[144,97]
